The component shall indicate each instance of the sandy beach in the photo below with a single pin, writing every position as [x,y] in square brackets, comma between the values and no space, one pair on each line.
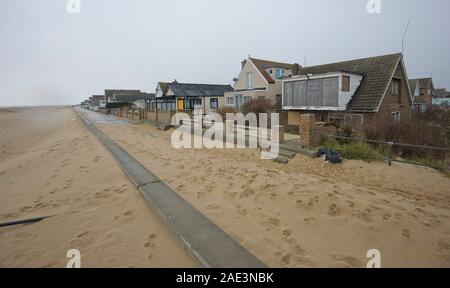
[50,164]
[303,214]
[306,213]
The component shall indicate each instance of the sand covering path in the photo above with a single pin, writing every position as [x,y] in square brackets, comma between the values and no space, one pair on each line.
[306,213]
[50,164]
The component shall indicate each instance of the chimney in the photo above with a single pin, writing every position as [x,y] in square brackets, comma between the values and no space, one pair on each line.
[244,63]
[296,69]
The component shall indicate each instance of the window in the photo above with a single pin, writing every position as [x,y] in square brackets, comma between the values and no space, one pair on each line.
[247,99]
[230,101]
[395,87]
[279,73]
[396,116]
[423,108]
[214,102]
[345,83]
[261,97]
[196,103]
[249,80]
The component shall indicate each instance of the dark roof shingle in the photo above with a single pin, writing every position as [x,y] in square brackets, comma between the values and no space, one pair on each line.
[199,90]
[131,97]
[440,93]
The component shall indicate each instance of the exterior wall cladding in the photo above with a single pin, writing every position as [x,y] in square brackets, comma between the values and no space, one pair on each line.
[389,105]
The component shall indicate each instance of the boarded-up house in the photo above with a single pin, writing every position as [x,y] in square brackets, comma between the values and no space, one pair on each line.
[368,89]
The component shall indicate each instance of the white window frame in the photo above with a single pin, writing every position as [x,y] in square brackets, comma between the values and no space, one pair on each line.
[249,79]
[247,99]
[216,102]
[230,101]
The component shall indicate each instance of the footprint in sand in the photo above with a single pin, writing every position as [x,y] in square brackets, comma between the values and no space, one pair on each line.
[247,193]
[295,255]
[334,210]
[150,241]
[271,223]
[84,238]
[242,211]
[104,194]
[365,216]
[26,209]
[53,191]
[309,220]
[350,204]
[348,261]
[127,216]
[406,233]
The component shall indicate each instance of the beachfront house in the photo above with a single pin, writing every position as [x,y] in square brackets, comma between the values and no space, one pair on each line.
[259,79]
[139,99]
[441,97]
[187,97]
[97,102]
[85,104]
[370,89]
[419,103]
[109,93]
[426,90]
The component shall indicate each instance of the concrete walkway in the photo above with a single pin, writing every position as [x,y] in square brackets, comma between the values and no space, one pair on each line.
[204,240]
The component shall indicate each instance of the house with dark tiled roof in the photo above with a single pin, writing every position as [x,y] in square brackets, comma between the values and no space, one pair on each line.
[440,93]
[188,96]
[109,93]
[259,79]
[426,91]
[139,100]
[374,88]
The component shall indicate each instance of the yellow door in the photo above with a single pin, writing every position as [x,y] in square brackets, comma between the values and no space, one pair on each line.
[180,104]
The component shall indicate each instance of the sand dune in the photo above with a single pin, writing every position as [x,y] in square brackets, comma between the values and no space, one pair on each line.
[51,165]
[307,213]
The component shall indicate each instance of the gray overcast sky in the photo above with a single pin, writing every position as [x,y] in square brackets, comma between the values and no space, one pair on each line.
[48,56]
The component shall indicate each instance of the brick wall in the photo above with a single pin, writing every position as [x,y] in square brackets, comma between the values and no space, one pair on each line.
[312,132]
